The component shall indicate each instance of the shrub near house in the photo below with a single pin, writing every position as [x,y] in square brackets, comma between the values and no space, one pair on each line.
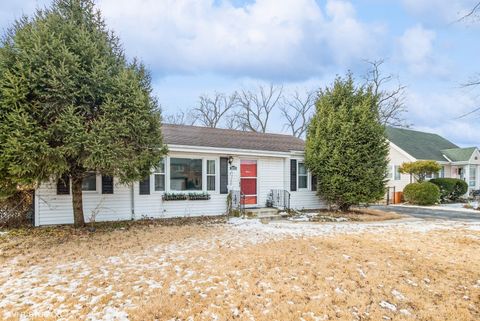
[451,189]
[424,193]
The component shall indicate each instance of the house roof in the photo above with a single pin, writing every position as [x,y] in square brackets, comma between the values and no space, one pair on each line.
[459,154]
[420,145]
[229,138]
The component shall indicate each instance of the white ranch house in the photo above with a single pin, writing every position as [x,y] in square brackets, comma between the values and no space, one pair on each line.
[200,160]
[210,162]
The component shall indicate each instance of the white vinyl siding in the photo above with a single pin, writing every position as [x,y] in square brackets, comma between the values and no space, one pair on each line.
[273,173]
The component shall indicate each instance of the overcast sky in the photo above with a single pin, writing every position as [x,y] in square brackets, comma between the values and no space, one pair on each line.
[194,47]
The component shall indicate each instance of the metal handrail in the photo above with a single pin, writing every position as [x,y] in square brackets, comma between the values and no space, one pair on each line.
[280,198]
[238,201]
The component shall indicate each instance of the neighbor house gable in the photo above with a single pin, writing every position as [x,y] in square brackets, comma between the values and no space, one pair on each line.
[420,145]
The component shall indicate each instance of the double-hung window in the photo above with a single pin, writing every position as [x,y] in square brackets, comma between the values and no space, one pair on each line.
[185,174]
[159,175]
[302,175]
[89,182]
[397,173]
[473,176]
[210,175]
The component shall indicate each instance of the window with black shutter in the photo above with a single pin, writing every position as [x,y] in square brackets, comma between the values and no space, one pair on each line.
[223,175]
[145,186]
[314,182]
[293,175]
[63,185]
[107,184]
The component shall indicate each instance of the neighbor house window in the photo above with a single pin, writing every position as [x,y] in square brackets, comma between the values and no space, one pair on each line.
[302,175]
[397,173]
[185,174]
[89,182]
[473,176]
[390,172]
[159,175]
[442,172]
[210,175]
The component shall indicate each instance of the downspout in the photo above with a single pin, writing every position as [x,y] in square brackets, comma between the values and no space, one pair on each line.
[132,202]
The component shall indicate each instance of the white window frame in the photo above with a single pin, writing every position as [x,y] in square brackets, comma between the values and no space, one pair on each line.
[472,179]
[215,175]
[298,175]
[203,189]
[155,173]
[395,167]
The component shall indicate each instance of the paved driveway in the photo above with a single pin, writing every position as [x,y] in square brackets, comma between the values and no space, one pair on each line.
[433,213]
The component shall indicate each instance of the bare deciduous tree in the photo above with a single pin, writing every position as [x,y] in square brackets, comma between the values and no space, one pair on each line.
[474,80]
[391,100]
[211,111]
[297,109]
[255,107]
[181,117]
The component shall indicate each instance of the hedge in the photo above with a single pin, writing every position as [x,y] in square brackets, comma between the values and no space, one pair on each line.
[451,189]
[424,193]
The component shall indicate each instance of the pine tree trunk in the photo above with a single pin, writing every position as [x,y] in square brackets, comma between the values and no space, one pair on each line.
[77,201]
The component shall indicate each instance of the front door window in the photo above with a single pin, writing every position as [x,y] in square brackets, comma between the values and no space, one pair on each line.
[248,181]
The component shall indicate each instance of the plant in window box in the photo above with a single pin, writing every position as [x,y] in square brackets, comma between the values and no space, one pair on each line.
[198,196]
[174,197]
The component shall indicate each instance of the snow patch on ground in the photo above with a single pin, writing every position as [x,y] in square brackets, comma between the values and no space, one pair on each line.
[43,289]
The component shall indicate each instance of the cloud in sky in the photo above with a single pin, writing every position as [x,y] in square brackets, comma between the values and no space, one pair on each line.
[416,49]
[194,47]
[269,39]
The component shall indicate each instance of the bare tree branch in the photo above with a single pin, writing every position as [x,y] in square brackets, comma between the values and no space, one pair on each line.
[297,110]
[181,117]
[256,107]
[474,10]
[391,100]
[212,110]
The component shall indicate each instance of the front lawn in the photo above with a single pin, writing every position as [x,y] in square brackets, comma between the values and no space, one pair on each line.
[244,270]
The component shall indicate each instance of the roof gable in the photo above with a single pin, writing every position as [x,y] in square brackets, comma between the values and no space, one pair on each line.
[459,154]
[227,138]
[420,145]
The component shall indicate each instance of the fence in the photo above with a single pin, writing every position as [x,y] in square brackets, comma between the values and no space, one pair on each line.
[17,210]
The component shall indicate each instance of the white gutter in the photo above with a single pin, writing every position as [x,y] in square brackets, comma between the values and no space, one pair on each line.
[227,151]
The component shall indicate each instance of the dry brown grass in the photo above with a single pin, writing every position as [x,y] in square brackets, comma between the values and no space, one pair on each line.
[208,271]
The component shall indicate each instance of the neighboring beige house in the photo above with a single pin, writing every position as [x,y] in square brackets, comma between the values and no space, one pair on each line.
[410,145]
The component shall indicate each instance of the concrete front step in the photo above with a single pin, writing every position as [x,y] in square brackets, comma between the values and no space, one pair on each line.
[261,212]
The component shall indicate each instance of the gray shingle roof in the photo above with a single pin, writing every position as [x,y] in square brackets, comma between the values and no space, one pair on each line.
[228,138]
[421,145]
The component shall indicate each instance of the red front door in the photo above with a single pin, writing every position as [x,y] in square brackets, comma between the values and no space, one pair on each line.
[248,181]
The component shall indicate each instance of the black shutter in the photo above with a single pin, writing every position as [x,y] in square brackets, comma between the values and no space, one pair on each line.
[145,186]
[107,184]
[63,185]
[314,182]
[223,175]
[293,175]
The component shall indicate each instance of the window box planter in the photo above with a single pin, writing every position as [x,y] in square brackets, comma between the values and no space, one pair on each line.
[198,196]
[174,197]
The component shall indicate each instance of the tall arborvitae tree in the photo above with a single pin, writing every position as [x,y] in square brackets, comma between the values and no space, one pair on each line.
[70,103]
[346,146]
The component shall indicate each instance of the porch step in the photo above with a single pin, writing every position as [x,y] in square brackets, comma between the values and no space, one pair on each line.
[261,212]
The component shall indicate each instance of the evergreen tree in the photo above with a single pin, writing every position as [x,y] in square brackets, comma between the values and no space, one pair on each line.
[70,103]
[346,146]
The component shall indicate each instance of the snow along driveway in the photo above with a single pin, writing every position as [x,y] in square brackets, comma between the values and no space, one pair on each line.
[219,272]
